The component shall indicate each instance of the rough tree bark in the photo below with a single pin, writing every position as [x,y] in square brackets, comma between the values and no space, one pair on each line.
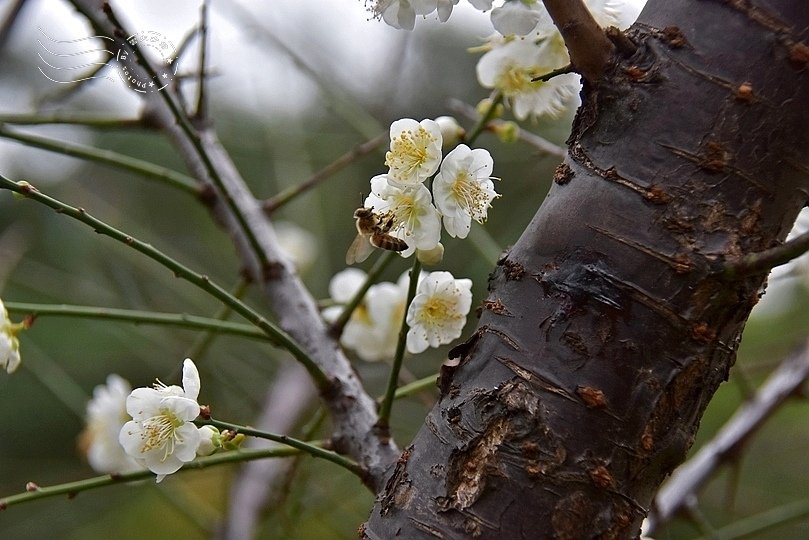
[614,318]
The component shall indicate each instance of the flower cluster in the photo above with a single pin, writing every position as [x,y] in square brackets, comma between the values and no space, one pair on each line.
[373,329]
[9,344]
[436,316]
[462,190]
[527,45]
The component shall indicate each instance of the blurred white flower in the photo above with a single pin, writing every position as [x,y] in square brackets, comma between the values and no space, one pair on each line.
[9,344]
[451,131]
[509,67]
[106,414]
[463,190]
[482,5]
[415,151]
[298,244]
[373,329]
[161,435]
[415,219]
[438,312]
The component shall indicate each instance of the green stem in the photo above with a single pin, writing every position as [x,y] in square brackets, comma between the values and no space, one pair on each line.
[303,446]
[383,424]
[496,99]
[554,73]
[279,200]
[417,386]
[136,316]
[71,489]
[277,335]
[194,137]
[484,243]
[373,275]
[204,340]
[763,521]
[93,121]
[107,157]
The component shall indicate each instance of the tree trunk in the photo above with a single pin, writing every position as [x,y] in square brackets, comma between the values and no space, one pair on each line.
[615,317]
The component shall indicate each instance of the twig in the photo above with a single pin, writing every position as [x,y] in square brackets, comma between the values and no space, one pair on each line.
[554,73]
[543,145]
[183,320]
[692,475]
[590,49]
[483,121]
[278,336]
[353,410]
[373,275]
[764,261]
[287,400]
[201,110]
[393,378]
[71,489]
[88,120]
[107,157]
[204,340]
[769,519]
[277,201]
[311,449]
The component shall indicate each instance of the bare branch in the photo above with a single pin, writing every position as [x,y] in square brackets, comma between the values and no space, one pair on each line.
[590,49]
[764,261]
[691,476]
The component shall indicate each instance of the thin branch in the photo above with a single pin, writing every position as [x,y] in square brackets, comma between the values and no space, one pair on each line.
[758,523]
[543,145]
[692,475]
[483,121]
[311,449]
[182,320]
[201,110]
[71,489]
[383,424]
[353,410]
[590,49]
[205,283]
[554,73]
[193,137]
[426,383]
[88,120]
[764,261]
[279,200]
[107,157]
[206,339]
[373,276]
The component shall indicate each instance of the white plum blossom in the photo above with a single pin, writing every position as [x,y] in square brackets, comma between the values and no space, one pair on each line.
[415,151]
[298,244]
[9,344]
[519,18]
[415,219]
[373,329]
[106,414]
[463,189]
[161,435]
[511,65]
[438,312]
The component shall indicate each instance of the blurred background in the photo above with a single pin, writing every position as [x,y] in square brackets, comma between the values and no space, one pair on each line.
[293,85]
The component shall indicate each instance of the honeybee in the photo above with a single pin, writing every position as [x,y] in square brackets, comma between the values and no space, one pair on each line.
[372,231]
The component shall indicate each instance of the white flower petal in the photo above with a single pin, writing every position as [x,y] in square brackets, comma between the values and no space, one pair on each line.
[437,314]
[415,151]
[345,284]
[191,383]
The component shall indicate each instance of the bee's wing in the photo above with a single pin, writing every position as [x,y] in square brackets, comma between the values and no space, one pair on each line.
[359,250]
